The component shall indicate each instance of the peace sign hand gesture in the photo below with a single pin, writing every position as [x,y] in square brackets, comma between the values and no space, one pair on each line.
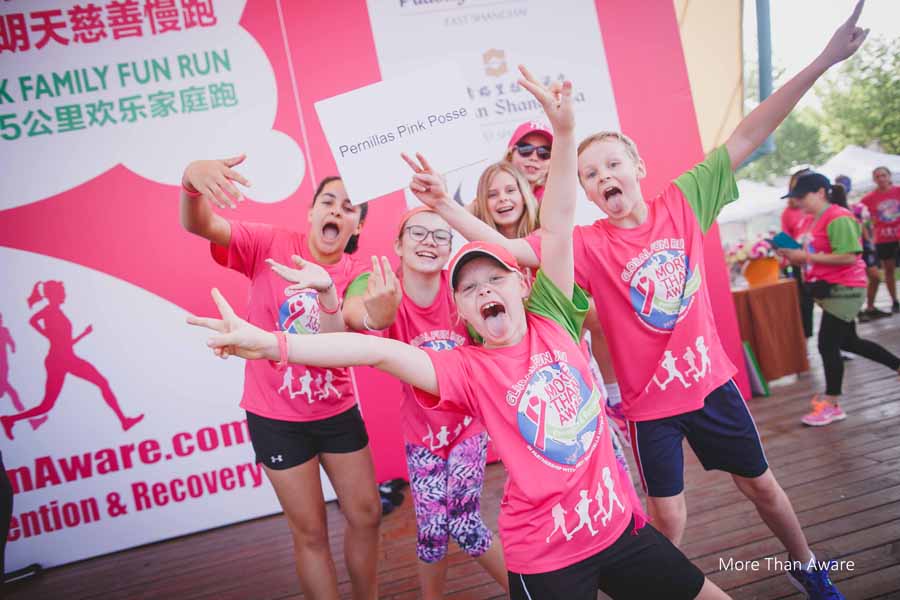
[555,99]
[426,185]
[846,39]
[234,335]
[213,179]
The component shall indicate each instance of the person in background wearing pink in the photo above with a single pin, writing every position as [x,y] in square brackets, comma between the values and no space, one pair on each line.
[529,151]
[884,208]
[837,275]
[505,201]
[299,416]
[531,387]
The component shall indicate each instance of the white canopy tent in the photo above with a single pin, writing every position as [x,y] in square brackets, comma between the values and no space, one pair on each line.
[857,164]
[759,207]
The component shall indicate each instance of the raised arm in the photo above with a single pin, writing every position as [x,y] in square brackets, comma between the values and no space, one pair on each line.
[558,205]
[206,181]
[763,120]
[328,350]
[429,188]
[376,308]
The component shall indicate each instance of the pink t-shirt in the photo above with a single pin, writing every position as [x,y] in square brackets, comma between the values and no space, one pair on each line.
[299,393]
[563,500]
[794,221]
[830,234]
[651,295]
[884,207]
[435,327]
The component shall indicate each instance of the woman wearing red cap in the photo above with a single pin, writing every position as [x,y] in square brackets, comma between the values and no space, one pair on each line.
[835,276]
[529,151]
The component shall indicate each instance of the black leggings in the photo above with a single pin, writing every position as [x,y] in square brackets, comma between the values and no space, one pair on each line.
[835,335]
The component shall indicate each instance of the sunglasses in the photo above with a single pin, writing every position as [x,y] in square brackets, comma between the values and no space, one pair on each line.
[525,150]
[441,237]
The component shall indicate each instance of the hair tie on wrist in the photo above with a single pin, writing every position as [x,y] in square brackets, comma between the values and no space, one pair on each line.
[322,306]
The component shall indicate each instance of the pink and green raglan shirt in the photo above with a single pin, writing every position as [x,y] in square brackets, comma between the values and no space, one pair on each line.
[649,284]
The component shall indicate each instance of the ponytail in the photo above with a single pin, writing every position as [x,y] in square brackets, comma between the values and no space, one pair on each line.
[37,294]
[838,195]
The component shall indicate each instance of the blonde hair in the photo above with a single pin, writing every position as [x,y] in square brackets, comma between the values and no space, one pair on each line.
[528,222]
[601,136]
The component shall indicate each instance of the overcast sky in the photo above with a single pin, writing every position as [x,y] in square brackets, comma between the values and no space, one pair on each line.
[801,28]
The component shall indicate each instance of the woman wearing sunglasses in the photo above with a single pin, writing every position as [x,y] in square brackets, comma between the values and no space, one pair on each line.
[445,451]
[529,150]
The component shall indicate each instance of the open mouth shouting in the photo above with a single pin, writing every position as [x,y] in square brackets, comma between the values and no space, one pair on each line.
[331,231]
[495,318]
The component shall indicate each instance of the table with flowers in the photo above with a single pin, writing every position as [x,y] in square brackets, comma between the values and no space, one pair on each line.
[768,310]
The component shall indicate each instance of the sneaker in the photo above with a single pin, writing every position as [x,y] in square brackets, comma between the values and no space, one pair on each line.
[863,317]
[823,413]
[815,583]
[895,307]
[873,313]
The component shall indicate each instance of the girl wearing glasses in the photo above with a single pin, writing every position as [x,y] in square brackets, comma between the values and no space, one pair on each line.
[299,417]
[445,451]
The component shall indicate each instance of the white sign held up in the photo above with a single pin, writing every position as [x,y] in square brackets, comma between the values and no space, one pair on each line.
[425,111]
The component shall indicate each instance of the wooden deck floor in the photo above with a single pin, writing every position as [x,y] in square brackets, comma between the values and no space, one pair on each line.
[844,482]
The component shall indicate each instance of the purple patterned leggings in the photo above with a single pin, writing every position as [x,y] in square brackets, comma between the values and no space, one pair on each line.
[447,498]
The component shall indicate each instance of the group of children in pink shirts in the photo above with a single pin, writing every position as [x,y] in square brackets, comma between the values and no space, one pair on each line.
[493,345]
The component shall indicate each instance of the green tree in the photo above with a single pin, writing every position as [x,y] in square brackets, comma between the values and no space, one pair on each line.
[798,140]
[861,101]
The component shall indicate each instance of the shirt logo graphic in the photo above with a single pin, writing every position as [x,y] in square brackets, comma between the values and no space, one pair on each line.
[299,313]
[559,413]
[889,210]
[662,289]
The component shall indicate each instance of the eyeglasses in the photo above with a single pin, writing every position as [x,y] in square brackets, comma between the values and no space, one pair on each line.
[441,237]
[525,150]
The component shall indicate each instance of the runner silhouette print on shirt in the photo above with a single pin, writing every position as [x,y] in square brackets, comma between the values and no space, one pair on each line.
[61,360]
[669,364]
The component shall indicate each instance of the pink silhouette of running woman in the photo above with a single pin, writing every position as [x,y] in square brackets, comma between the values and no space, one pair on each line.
[5,386]
[61,359]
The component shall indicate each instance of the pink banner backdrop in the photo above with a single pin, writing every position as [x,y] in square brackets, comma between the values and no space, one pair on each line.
[145,440]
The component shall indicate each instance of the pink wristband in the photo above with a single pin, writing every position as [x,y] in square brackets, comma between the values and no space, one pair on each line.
[322,306]
[191,193]
[282,363]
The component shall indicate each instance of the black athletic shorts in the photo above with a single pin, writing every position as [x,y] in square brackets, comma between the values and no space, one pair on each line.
[645,565]
[887,250]
[285,444]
